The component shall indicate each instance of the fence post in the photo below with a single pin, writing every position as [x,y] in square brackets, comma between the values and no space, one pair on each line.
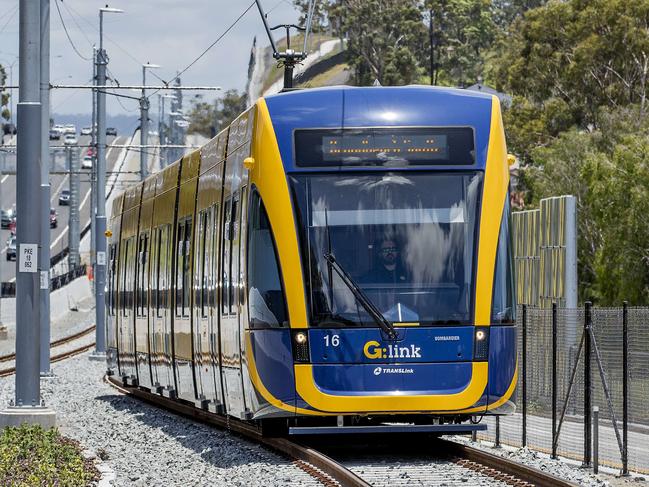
[524,364]
[587,386]
[625,388]
[595,439]
[554,380]
[497,445]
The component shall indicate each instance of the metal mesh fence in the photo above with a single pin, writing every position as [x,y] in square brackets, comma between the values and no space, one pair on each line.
[568,375]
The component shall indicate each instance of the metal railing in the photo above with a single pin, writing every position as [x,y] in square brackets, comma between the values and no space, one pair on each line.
[572,362]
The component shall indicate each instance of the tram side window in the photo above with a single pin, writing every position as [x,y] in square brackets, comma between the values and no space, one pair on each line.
[503,306]
[163,269]
[182,268]
[187,268]
[201,260]
[265,292]
[233,258]
[225,262]
[142,281]
[111,280]
[213,257]
[123,289]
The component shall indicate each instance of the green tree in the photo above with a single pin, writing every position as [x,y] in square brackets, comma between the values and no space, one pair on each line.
[319,21]
[607,169]
[588,53]
[229,107]
[201,117]
[462,33]
[208,119]
[385,39]
[4,96]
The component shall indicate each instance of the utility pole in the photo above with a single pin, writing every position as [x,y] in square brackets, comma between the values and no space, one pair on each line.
[44,261]
[73,231]
[93,171]
[100,219]
[28,406]
[144,123]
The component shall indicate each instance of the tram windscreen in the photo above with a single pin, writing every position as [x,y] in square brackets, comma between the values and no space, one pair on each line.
[407,240]
[389,147]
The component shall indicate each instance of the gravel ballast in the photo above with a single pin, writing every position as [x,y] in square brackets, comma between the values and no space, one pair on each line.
[145,445]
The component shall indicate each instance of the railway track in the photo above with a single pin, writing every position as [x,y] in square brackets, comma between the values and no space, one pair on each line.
[62,342]
[421,461]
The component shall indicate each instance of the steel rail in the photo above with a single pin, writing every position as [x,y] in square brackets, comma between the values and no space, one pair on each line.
[308,459]
[55,358]
[497,463]
[55,343]
[335,473]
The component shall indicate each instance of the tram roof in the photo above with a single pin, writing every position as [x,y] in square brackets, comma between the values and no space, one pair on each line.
[398,106]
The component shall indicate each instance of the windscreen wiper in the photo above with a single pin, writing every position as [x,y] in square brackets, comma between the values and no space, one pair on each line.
[384,324]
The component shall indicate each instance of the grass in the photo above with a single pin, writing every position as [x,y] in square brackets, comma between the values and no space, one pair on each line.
[31,456]
[274,73]
[323,78]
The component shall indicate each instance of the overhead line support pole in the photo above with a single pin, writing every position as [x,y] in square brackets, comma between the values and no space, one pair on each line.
[44,261]
[28,405]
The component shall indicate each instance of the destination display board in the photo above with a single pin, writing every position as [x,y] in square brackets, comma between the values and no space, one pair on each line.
[391,147]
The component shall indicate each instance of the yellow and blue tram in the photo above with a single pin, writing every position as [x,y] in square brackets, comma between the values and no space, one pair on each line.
[337,258]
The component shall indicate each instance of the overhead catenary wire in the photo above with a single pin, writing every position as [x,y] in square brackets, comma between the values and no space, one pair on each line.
[72,16]
[67,34]
[115,43]
[205,51]
[11,17]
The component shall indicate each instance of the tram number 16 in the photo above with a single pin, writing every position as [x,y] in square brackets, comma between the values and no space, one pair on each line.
[332,341]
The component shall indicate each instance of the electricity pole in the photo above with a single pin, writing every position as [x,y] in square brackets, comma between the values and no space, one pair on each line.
[28,406]
[93,171]
[100,219]
[44,261]
[144,123]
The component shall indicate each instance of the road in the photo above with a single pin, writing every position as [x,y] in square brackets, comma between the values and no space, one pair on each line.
[58,182]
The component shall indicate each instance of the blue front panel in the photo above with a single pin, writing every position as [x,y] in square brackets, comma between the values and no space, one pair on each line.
[348,107]
[366,345]
[393,379]
[502,361]
[274,361]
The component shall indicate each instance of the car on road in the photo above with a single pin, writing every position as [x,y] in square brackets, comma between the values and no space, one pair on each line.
[9,129]
[70,128]
[111,131]
[91,152]
[54,222]
[55,134]
[70,139]
[64,197]
[11,248]
[86,131]
[86,163]
[6,217]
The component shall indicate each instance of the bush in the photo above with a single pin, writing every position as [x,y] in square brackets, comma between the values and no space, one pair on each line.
[30,456]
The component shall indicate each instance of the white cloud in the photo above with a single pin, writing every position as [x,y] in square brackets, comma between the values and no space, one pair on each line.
[170,33]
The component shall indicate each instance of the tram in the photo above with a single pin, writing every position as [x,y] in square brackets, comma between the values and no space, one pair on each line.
[335,259]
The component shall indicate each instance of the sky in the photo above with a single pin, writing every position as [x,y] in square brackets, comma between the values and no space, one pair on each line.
[170,33]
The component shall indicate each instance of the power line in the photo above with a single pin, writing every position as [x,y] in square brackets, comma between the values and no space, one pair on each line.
[11,17]
[213,43]
[68,34]
[65,6]
[125,51]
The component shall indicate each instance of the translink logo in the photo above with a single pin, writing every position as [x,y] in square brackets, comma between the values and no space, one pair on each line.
[373,350]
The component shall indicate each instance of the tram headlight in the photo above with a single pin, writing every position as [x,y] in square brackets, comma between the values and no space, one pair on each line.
[300,346]
[481,344]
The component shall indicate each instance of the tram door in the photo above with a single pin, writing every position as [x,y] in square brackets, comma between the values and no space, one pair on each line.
[230,336]
[202,257]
